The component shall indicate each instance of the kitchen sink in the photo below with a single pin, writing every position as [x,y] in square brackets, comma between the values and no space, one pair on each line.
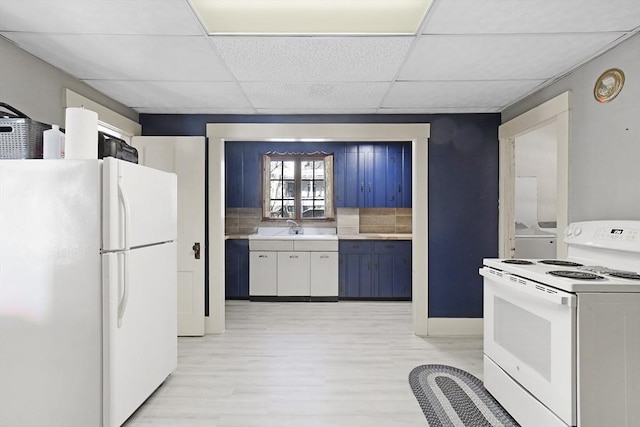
[285,265]
[304,233]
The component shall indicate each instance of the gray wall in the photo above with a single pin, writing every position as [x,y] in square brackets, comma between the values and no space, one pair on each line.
[604,142]
[37,88]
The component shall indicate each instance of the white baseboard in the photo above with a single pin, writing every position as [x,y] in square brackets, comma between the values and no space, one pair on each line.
[449,326]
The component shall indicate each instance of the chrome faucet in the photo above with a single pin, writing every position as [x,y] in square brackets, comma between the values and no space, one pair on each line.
[295,227]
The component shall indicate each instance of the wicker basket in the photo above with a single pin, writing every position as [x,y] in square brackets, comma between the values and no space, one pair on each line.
[20,137]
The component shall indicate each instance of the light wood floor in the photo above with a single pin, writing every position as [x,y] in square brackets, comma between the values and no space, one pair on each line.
[340,364]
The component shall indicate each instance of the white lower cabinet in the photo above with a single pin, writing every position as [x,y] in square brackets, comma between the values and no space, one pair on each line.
[324,274]
[263,273]
[293,274]
[293,268]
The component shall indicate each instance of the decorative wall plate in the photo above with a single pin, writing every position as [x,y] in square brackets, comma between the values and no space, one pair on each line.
[608,85]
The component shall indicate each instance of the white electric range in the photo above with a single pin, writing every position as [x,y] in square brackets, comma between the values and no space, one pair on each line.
[562,337]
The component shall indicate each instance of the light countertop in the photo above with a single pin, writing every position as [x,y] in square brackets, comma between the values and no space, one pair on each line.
[361,236]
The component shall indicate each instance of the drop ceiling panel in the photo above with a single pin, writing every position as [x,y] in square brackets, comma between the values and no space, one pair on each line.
[189,58]
[163,94]
[313,59]
[438,110]
[532,16]
[315,95]
[200,110]
[487,94]
[492,57]
[100,17]
[332,110]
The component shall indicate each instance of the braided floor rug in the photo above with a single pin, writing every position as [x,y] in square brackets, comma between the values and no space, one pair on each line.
[450,396]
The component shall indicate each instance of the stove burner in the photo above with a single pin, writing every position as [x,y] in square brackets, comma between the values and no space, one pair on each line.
[560,262]
[579,275]
[517,261]
[625,275]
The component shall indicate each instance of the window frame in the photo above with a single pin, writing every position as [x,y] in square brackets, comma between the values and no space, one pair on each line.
[298,158]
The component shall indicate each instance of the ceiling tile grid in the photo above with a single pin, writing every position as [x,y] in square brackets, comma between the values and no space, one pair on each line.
[309,59]
[500,57]
[304,95]
[117,57]
[476,95]
[531,16]
[169,94]
[468,56]
[133,17]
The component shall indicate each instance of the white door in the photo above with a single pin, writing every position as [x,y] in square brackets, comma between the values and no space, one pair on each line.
[185,157]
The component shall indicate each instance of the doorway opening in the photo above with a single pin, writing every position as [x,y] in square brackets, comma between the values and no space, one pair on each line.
[536,193]
[218,134]
[548,122]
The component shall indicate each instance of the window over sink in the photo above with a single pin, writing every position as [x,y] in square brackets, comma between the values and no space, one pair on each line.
[298,186]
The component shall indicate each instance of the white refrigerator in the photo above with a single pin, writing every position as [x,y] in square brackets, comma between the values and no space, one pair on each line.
[87,290]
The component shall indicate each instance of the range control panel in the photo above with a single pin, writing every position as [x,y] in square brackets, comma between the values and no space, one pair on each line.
[616,235]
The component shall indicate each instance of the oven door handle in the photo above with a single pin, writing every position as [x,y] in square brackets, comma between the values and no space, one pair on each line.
[518,284]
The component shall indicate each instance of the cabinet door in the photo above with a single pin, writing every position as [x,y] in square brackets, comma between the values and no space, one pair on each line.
[324,274]
[339,174]
[392,275]
[251,177]
[394,176]
[355,268]
[263,273]
[236,268]
[402,275]
[293,274]
[233,175]
[383,276]
[352,179]
[365,177]
[377,181]
[406,176]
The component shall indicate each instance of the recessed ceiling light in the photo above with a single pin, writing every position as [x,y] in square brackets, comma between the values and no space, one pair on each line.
[311,17]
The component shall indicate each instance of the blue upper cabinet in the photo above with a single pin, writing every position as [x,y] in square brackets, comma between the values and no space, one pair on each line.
[373,176]
[366,175]
[234,175]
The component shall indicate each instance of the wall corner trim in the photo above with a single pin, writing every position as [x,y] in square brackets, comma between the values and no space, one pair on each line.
[450,326]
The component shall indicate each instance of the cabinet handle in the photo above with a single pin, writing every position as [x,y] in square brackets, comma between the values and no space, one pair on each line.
[362,187]
[370,187]
[324,256]
[293,256]
[399,188]
[263,256]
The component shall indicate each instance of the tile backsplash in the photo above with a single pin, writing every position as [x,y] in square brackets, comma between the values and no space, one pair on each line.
[374,220]
[348,220]
[242,220]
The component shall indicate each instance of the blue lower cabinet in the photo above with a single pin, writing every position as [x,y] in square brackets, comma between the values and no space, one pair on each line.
[237,269]
[378,269]
[355,268]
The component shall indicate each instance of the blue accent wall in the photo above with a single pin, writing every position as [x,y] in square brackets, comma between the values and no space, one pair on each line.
[463,192]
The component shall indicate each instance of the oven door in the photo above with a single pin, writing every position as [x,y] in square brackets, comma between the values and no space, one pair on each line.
[530,332]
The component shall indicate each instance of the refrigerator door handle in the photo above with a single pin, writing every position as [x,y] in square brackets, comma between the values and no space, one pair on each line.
[123,267]
[127,213]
